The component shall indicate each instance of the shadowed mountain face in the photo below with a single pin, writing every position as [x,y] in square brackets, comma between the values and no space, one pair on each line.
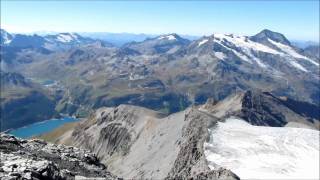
[265,109]
[313,50]
[13,79]
[166,73]
[23,102]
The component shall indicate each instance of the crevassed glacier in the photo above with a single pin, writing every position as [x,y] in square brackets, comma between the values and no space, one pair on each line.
[258,152]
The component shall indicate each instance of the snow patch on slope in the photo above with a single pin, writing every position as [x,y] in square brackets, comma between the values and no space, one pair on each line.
[202,42]
[246,46]
[298,66]
[220,55]
[168,37]
[291,52]
[245,43]
[66,37]
[257,152]
[241,56]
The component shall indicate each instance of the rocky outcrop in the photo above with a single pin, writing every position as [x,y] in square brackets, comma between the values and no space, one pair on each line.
[36,159]
[191,162]
[265,109]
[140,143]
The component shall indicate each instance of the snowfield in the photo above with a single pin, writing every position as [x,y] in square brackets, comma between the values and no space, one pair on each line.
[67,37]
[168,37]
[203,42]
[247,50]
[258,152]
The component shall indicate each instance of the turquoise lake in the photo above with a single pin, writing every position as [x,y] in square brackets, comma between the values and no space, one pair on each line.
[41,127]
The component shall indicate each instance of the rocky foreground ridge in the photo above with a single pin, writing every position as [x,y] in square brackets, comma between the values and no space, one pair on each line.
[130,139]
[139,143]
[37,159]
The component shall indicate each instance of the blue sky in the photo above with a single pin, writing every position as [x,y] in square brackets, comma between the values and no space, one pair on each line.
[296,19]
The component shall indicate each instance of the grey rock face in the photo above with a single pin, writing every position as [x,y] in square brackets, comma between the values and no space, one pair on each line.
[265,109]
[36,159]
[116,137]
[142,144]
[190,162]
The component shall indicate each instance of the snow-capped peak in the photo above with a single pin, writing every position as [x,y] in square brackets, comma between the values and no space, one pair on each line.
[244,42]
[67,37]
[248,50]
[243,47]
[267,34]
[6,38]
[168,37]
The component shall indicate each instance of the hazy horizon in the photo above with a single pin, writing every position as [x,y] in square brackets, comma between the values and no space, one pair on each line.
[188,36]
[297,20]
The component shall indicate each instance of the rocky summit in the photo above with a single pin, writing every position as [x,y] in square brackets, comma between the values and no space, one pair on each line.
[38,160]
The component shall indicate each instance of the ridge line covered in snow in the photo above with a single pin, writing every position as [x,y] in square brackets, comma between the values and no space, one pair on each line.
[241,56]
[245,42]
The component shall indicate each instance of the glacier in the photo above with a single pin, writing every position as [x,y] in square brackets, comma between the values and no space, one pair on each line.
[259,152]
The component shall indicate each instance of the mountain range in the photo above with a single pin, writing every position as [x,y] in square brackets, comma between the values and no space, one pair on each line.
[217,107]
[166,73]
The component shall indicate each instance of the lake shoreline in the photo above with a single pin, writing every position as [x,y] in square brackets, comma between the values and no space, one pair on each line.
[42,127]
